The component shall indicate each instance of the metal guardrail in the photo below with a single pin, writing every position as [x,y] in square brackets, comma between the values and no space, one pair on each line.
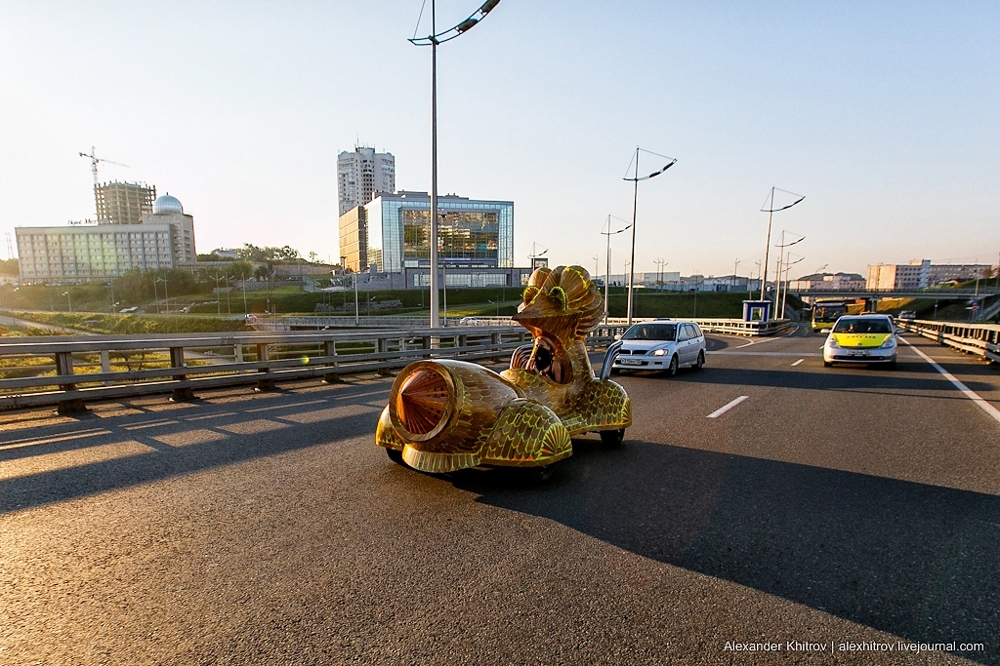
[69,370]
[983,340]
[615,324]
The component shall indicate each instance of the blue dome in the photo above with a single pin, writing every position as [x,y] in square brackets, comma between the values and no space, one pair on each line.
[167,204]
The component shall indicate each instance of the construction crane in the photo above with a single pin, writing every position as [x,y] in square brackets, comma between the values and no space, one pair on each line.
[93,163]
[93,167]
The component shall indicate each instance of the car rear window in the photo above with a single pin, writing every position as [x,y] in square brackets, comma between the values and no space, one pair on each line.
[651,332]
[852,325]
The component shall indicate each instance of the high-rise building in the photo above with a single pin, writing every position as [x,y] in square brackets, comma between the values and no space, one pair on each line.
[123,203]
[363,173]
[395,232]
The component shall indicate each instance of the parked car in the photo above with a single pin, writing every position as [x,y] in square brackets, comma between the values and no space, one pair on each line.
[662,345]
[867,338]
[907,314]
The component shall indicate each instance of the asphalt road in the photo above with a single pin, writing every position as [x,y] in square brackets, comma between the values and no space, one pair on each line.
[835,515]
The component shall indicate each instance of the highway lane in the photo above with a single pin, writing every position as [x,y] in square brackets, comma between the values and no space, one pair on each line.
[831,505]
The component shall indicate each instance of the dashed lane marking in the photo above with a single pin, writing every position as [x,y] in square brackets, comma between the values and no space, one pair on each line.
[797,362]
[725,408]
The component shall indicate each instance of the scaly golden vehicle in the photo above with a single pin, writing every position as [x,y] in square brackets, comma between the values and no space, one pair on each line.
[447,415]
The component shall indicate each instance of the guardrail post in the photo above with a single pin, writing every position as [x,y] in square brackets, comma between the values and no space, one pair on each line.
[383,348]
[330,349]
[495,341]
[64,366]
[426,344]
[177,361]
[463,341]
[263,357]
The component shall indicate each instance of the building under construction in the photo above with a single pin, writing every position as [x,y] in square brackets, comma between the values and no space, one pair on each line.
[123,203]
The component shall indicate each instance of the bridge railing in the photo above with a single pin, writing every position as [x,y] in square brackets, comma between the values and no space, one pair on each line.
[983,340]
[69,370]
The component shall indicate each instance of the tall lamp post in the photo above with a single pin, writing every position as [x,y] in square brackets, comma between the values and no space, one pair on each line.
[607,262]
[769,208]
[788,266]
[781,267]
[432,40]
[635,199]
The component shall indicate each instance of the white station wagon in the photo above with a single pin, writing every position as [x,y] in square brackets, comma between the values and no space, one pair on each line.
[662,345]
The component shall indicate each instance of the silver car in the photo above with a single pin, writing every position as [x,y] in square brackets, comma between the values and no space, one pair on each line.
[662,345]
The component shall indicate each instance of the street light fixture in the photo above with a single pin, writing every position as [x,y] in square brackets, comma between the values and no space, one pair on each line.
[433,40]
[607,261]
[635,199]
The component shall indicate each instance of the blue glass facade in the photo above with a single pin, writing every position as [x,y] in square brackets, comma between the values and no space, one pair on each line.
[471,233]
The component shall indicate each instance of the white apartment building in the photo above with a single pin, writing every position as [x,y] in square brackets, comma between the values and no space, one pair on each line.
[828,282]
[89,252]
[361,174]
[920,273]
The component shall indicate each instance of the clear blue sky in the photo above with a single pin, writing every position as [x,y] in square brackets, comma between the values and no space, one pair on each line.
[885,115]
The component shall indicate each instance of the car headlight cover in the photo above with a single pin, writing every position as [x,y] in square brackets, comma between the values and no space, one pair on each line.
[659,352]
[831,342]
[889,343]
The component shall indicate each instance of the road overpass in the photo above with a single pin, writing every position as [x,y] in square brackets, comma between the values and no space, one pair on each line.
[766,500]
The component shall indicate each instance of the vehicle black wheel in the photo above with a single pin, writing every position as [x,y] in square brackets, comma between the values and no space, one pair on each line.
[701,361]
[827,364]
[613,437]
[615,371]
[892,364]
[674,365]
[542,473]
[395,456]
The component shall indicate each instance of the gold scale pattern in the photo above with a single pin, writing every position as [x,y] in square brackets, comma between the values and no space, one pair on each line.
[522,416]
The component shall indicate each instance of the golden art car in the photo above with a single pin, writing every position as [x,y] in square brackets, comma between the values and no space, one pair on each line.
[447,415]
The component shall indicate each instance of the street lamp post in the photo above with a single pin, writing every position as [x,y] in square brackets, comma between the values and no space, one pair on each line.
[781,264]
[769,208]
[69,300]
[607,262]
[218,301]
[433,40]
[788,266]
[635,199]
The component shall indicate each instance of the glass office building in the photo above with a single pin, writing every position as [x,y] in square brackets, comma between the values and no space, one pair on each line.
[471,233]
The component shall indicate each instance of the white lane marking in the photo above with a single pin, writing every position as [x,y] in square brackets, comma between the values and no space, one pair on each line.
[757,342]
[969,393]
[797,362]
[762,353]
[53,439]
[725,408]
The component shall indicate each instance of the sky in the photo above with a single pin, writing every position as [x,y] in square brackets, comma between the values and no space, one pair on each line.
[883,115]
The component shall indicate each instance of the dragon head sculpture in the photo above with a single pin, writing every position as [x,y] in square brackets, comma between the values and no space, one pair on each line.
[560,306]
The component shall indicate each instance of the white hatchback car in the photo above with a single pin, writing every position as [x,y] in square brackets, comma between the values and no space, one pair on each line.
[662,345]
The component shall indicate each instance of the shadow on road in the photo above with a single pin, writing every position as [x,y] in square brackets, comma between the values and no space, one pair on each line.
[183,446]
[913,560]
[906,379]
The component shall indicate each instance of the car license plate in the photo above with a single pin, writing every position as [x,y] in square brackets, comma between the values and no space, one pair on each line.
[629,361]
[857,352]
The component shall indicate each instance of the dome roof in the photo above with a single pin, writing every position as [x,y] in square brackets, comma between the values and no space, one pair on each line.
[167,204]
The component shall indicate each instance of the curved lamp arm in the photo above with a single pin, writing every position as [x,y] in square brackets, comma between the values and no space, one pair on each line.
[455,31]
